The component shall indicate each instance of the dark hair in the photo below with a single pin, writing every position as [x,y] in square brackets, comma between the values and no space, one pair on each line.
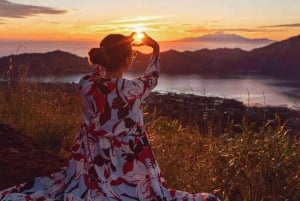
[113,50]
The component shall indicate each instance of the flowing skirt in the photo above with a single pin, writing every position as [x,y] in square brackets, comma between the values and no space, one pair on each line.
[104,169]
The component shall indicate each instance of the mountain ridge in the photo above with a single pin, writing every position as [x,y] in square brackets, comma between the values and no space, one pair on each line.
[280,59]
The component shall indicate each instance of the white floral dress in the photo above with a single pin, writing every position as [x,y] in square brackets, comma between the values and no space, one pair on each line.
[111,159]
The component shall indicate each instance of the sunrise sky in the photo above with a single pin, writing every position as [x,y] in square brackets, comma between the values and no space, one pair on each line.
[164,20]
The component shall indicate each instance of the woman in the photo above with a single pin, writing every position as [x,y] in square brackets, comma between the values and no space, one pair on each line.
[111,158]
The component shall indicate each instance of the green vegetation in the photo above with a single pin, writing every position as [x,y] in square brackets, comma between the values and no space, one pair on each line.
[253,164]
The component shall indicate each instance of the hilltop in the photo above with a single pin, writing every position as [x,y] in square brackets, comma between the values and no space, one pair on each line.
[280,59]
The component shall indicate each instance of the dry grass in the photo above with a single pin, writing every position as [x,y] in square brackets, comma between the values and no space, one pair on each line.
[250,165]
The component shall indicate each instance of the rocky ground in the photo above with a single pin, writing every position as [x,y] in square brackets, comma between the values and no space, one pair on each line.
[21,159]
[216,115]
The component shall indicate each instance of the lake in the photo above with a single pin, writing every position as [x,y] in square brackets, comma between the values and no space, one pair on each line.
[251,90]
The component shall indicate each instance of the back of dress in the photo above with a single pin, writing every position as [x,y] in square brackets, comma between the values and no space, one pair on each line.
[111,106]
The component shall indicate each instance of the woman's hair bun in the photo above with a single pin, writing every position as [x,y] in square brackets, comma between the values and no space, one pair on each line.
[98,56]
[112,53]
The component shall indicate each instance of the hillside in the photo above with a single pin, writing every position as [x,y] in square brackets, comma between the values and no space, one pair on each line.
[22,159]
[50,63]
[279,59]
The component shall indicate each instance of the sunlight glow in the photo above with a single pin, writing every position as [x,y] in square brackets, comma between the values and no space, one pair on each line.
[139,29]
[141,18]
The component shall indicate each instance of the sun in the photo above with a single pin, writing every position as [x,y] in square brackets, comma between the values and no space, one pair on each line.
[139,29]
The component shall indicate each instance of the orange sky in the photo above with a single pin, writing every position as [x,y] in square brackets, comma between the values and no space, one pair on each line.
[165,20]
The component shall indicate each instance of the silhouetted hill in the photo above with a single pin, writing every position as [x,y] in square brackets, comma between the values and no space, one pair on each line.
[201,61]
[50,63]
[280,59]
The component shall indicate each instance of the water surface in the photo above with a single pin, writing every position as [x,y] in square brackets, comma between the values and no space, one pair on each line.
[252,90]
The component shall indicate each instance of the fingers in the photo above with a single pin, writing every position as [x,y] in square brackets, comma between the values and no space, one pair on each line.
[146,34]
[149,41]
[146,38]
[145,41]
[137,44]
[132,34]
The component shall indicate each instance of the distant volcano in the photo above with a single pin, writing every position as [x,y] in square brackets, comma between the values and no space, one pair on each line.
[215,41]
[221,37]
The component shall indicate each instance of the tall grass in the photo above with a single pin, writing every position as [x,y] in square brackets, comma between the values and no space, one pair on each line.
[260,165]
[251,165]
[48,113]
[254,164]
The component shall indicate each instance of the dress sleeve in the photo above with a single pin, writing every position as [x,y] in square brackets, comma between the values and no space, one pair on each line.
[142,86]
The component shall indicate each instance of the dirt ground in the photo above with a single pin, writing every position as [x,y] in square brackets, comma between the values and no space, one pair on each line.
[21,159]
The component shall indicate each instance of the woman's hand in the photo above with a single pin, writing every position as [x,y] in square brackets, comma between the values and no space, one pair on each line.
[148,41]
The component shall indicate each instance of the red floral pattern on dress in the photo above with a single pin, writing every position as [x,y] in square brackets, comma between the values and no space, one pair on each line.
[111,158]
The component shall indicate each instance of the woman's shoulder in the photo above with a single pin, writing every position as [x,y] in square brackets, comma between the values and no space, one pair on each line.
[84,79]
[86,82]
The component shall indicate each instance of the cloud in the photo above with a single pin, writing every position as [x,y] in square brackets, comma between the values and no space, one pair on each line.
[129,24]
[205,30]
[141,18]
[189,29]
[283,25]
[15,10]
[249,30]
[244,30]
[102,27]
